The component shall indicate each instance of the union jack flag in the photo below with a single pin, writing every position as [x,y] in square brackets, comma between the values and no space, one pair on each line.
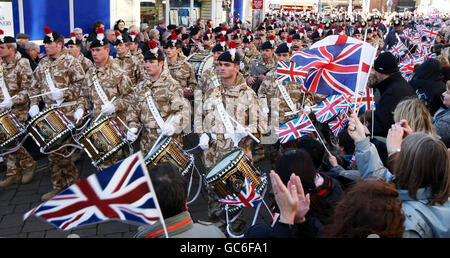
[339,123]
[122,191]
[398,49]
[407,66]
[330,107]
[430,32]
[293,129]
[290,72]
[363,100]
[332,69]
[248,197]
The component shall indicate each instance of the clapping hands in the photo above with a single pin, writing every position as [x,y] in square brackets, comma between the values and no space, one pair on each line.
[291,200]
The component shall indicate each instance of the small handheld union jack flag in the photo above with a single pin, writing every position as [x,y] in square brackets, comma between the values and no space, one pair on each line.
[290,72]
[363,100]
[122,191]
[399,49]
[330,107]
[430,32]
[248,197]
[339,123]
[293,129]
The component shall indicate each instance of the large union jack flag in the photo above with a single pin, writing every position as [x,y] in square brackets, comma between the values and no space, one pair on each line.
[332,69]
[293,129]
[339,123]
[248,197]
[122,192]
[290,72]
[330,107]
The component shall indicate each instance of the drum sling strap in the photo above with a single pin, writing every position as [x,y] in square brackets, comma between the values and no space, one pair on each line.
[286,96]
[229,128]
[151,105]
[3,85]
[48,78]
[98,88]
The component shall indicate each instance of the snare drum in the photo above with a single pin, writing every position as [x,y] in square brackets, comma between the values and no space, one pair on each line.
[200,62]
[10,128]
[168,150]
[102,140]
[228,176]
[50,129]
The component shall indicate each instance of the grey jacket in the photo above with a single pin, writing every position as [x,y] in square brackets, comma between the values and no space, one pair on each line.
[421,220]
[181,226]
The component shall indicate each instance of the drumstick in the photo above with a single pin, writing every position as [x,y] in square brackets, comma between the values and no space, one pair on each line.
[249,133]
[43,94]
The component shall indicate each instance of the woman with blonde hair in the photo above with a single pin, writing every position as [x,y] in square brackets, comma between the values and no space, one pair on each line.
[416,114]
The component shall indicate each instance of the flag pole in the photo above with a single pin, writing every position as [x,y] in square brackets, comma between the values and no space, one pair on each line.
[144,167]
[320,138]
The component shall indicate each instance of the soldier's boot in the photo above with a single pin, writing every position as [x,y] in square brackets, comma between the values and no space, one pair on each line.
[50,194]
[10,180]
[29,173]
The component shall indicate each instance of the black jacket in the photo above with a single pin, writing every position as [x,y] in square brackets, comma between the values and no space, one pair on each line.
[392,90]
[427,82]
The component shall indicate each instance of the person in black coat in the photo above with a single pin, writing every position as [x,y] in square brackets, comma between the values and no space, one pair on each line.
[427,82]
[392,88]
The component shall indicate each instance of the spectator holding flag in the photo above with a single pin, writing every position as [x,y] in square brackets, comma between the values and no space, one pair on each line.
[421,174]
[392,88]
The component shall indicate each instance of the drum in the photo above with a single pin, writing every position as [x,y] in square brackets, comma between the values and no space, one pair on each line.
[227,177]
[102,139]
[168,150]
[200,62]
[50,129]
[10,128]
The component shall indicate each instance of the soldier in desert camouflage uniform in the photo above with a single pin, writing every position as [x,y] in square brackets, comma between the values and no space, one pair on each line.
[15,81]
[135,50]
[113,82]
[206,80]
[74,46]
[250,53]
[179,68]
[168,99]
[261,66]
[242,104]
[129,63]
[65,72]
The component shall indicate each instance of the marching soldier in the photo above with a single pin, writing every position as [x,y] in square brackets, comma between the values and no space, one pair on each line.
[158,103]
[15,80]
[74,46]
[128,62]
[179,68]
[261,66]
[233,98]
[106,89]
[56,71]
[208,77]
[135,49]
[280,101]
[250,53]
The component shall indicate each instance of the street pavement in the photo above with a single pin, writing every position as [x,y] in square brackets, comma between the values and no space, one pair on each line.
[18,199]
